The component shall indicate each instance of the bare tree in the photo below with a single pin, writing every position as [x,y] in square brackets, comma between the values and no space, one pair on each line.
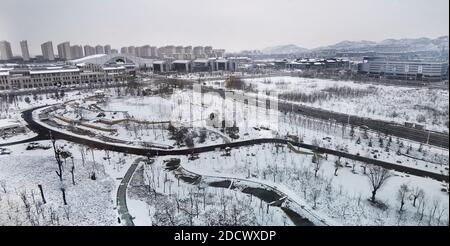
[441,213]
[316,159]
[3,185]
[377,177]
[401,195]
[64,195]
[83,155]
[364,167]
[337,165]
[72,170]
[315,194]
[42,194]
[416,193]
[57,157]
[421,207]
[435,206]
[93,176]
[67,212]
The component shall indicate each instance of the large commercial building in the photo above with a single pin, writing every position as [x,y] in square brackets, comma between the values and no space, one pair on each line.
[24,49]
[64,51]
[404,69]
[5,50]
[47,51]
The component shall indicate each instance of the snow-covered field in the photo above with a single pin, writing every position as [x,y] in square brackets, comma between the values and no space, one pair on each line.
[11,107]
[89,202]
[155,194]
[342,198]
[18,137]
[425,106]
[254,122]
[157,197]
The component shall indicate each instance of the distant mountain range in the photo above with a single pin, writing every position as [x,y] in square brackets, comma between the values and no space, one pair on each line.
[405,44]
[284,49]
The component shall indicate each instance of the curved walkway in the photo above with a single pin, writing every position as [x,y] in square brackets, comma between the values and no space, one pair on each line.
[309,218]
[122,194]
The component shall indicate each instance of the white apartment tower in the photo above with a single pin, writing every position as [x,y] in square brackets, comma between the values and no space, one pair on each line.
[24,49]
[47,51]
[99,49]
[89,50]
[5,50]
[76,51]
[64,51]
[107,49]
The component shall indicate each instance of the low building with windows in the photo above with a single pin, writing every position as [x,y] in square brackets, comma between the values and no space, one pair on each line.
[182,66]
[404,69]
[59,76]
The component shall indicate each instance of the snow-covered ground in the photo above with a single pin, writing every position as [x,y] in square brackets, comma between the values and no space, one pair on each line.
[342,198]
[139,133]
[89,202]
[18,137]
[157,197]
[255,122]
[424,106]
[12,107]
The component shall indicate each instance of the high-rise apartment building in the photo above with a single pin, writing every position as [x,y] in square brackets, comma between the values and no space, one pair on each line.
[24,49]
[47,51]
[5,50]
[99,49]
[64,51]
[76,51]
[107,49]
[89,50]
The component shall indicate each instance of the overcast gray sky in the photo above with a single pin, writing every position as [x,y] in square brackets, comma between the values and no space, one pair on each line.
[231,24]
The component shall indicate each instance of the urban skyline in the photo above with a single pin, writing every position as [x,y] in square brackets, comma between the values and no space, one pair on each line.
[81,50]
[267,23]
[66,51]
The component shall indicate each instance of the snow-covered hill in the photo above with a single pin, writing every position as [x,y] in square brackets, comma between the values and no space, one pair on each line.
[284,49]
[405,44]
